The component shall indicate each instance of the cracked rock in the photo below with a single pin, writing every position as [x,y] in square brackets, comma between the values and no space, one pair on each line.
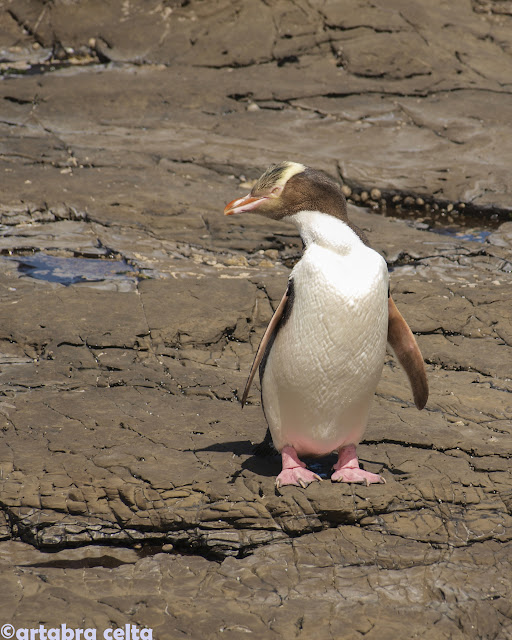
[131,487]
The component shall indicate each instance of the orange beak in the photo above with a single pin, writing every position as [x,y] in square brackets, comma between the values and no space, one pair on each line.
[240,205]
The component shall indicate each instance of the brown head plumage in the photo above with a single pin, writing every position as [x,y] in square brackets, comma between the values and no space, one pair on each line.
[289,187]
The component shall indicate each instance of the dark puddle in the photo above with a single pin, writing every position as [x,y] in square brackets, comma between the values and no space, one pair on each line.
[322,466]
[35,69]
[66,271]
[455,224]
[57,59]
[41,68]
[475,235]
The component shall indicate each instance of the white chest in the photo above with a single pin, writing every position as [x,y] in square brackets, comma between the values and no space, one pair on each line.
[326,360]
[340,304]
[341,284]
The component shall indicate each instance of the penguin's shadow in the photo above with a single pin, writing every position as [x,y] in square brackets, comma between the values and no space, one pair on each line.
[264,460]
[266,464]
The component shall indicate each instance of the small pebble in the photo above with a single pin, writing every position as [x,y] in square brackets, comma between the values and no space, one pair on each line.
[237,261]
[449,207]
[375,194]
[420,202]
[248,184]
[347,191]
[364,196]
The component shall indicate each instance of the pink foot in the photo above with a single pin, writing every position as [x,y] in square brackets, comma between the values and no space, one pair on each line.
[347,469]
[294,470]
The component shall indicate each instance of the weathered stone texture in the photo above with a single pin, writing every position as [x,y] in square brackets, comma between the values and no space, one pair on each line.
[130,489]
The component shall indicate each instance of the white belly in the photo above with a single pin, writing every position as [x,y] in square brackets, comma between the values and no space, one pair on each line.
[326,361]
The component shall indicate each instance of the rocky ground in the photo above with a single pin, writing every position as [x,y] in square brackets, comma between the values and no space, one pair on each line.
[131,309]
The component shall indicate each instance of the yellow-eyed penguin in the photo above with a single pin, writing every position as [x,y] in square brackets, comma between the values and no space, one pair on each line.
[322,354]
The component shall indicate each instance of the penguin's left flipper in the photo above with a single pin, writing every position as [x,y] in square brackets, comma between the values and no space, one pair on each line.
[267,336]
[404,344]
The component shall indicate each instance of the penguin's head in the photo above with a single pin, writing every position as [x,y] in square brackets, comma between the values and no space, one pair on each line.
[289,187]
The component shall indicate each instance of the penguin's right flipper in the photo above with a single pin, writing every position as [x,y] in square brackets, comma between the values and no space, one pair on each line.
[404,344]
[267,336]
[265,447]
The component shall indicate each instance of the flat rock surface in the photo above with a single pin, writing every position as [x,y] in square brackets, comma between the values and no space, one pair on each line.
[131,490]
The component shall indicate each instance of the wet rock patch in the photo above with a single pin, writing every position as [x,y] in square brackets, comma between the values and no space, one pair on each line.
[131,485]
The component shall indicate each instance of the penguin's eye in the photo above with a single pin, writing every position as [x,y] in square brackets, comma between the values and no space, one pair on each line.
[276,191]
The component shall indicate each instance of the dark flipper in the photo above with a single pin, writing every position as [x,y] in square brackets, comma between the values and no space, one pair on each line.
[404,345]
[265,447]
[267,336]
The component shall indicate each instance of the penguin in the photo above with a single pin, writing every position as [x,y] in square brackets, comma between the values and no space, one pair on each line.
[323,352]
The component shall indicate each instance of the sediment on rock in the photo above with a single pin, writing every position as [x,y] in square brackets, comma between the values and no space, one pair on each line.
[132,309]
